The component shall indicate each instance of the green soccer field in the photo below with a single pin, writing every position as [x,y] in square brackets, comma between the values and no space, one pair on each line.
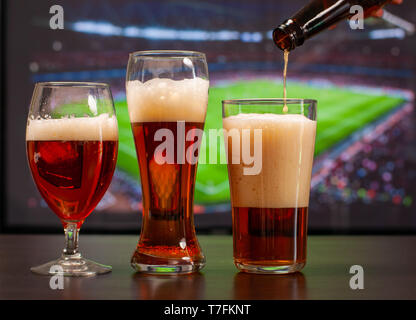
[340,113]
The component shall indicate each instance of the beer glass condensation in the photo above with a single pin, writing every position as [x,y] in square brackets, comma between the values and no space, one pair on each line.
[270,205]
[167,96]
[72,143]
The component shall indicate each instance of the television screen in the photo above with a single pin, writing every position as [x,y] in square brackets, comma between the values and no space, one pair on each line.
[365,156]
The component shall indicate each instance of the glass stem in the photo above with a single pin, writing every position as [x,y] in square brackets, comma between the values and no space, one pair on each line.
[71,239]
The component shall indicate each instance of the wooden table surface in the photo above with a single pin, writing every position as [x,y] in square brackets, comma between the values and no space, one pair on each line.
[389,264]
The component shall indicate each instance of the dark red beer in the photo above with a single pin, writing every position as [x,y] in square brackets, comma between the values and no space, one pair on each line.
[72,176]
[270,237]
[168,235]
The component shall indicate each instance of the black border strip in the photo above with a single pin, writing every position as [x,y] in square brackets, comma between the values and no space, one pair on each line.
[3,198]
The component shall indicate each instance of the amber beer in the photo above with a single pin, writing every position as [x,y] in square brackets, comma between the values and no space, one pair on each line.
[270,209]
[72,162]
[166,190]
[177,107]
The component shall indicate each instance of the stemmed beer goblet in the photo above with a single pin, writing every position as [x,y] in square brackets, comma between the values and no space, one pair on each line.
[72,143]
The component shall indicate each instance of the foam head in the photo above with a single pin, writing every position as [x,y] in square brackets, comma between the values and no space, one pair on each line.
[167,100]
[288,143]
[100,128]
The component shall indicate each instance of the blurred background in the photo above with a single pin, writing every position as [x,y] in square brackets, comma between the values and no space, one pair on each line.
[364,175]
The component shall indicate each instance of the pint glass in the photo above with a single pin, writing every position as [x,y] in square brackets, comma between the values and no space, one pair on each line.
[270,155]
[167,96]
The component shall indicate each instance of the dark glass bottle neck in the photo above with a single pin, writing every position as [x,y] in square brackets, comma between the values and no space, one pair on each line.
[288,35]
[315,17]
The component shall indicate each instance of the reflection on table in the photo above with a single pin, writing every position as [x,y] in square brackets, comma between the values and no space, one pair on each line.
[249,286]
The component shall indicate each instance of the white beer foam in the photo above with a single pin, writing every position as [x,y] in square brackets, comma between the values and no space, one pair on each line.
[102,127]
[167,100]
[288,143]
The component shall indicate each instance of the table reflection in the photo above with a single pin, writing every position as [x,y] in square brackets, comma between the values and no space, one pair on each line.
[269,287]
[180,287]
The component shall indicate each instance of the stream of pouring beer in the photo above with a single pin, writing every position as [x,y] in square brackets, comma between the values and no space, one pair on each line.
[286,58]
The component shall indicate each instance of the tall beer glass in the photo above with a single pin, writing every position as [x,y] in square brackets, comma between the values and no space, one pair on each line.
[270,155]
[72,143]
[167,96]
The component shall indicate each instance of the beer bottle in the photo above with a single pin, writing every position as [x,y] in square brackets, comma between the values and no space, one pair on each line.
[316,16]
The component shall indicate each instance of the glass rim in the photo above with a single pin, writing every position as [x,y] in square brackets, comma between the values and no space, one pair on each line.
[167,54]
[271,101]
[73,84]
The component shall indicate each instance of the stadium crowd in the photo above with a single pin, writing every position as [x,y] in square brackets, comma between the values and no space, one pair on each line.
[381,172]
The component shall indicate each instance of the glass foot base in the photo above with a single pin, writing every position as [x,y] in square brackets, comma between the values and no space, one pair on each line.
[283,269]
[166,269]
[71,266]
[171,260]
